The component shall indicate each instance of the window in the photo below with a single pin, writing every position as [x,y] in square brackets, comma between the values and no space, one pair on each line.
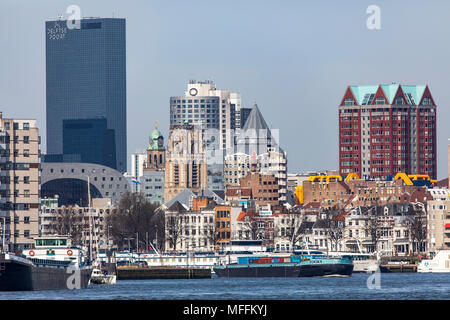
[349,102]
[426,102]
[26,152]
[380,100]
[399,101]
[26,139]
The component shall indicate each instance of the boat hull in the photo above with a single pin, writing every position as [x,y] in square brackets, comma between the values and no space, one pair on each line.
[285,270]
[109,279]
[326,270]
[365,266]
[19,276]
[262,270]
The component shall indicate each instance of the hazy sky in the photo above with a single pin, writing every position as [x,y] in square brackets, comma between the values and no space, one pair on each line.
[294,58]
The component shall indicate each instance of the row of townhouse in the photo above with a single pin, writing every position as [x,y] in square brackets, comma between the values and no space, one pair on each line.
[411,225]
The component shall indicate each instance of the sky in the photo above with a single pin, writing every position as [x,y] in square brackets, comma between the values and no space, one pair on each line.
[295,59]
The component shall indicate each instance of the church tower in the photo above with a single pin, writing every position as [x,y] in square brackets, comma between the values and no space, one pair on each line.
[156,152]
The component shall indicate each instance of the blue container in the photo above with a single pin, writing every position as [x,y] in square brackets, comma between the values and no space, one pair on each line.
[242,260]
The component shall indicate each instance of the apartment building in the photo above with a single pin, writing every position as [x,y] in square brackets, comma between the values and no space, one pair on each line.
[189,229]
[386,129]
[223,226]
[353,193]
[438,227]
[387,229]
[19,178]
[87,226]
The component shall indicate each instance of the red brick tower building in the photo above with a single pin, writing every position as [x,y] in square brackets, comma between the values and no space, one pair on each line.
[387,129]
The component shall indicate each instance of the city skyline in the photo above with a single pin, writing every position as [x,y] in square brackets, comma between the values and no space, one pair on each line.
[294,61]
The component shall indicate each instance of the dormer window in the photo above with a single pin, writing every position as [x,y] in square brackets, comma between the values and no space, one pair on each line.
[349,102]
[426,102]
[399,101]
[380,100]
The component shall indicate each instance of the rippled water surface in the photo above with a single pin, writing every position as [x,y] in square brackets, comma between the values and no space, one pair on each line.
[392,286]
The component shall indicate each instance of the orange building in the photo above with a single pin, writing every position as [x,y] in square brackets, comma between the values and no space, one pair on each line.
[264,188]
[223,226]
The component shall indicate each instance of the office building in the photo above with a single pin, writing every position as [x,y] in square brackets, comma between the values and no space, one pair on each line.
[386,129]
[68,182]
[256,148]
[19,180]
[137,169]
[89,141]
[208,108]
[217,113]
[85,80]
[438,220]
[245,112]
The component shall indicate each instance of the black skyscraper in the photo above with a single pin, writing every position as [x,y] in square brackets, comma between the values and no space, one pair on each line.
[86,79]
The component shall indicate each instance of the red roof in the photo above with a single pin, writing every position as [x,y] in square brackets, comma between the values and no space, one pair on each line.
[442,183]
[242,215]
[340,216]
[236,192]
[314,205]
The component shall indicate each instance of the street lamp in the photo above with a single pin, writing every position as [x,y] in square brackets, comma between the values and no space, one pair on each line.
[129,245]
[156,239]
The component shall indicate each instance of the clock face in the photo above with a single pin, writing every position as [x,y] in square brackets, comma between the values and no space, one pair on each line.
[193,92]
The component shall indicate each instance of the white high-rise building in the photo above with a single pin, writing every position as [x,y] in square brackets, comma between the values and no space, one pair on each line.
[218,114]
[211,108]
[137,168]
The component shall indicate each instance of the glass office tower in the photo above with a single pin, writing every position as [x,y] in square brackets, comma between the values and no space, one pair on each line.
[90,141]
[86,79]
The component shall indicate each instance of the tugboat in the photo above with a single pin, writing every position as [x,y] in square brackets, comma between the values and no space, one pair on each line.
[294,266]
[53,264]
[98,277]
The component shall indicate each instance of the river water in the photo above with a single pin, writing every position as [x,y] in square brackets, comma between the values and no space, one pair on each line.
[397,286]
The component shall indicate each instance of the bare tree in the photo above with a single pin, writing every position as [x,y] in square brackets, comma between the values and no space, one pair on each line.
[373,226]
[335,230]
[174,230]
[418,227]
[251,226]
[211,235]
[135,215]
[291,229]
[68,222]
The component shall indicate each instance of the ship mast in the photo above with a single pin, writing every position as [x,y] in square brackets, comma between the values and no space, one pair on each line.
[90,219]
